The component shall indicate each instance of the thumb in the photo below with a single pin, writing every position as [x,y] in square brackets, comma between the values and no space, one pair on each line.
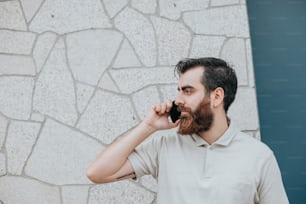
[173,125]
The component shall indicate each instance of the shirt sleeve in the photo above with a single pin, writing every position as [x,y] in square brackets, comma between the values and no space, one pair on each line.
[271,188]
[144,159]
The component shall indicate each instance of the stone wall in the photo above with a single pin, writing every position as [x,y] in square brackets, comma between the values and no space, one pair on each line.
[74,75]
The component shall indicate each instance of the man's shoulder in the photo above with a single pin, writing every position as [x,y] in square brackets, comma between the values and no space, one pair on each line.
[253,144]
[163,137]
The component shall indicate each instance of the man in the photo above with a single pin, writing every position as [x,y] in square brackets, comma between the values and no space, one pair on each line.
[209,161]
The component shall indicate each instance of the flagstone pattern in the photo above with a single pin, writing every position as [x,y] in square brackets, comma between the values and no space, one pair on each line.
[75,75]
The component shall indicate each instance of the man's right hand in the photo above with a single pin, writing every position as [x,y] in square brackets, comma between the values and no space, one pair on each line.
[112,163]
[157,118]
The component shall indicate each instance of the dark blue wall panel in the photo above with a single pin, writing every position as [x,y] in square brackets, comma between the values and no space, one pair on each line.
[278,37]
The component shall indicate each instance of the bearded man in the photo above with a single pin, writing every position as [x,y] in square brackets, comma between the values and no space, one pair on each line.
[208,161]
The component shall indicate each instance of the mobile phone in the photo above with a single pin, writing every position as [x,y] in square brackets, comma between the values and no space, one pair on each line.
[175,112]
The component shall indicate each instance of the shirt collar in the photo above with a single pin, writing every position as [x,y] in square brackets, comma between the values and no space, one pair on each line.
[224,140]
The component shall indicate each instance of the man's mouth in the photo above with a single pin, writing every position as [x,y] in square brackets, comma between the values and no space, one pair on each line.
[184,113]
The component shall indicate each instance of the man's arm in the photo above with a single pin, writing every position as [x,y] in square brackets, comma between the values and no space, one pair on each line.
[112,163]
[271,188]
[121,174]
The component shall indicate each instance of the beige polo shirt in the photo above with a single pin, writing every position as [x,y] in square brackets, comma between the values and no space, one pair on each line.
[236,169]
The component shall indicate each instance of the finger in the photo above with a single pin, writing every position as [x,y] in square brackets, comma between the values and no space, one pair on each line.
[157,108]
[177,122]
[173,125]
[163,108]
[169,105]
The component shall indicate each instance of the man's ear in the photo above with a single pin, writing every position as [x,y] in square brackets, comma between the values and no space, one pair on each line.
[217,97]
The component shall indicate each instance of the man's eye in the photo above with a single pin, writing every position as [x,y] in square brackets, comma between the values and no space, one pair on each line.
[187,91]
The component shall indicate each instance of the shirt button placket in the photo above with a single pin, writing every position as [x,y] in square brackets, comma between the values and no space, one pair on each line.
[205,152]
[208,162]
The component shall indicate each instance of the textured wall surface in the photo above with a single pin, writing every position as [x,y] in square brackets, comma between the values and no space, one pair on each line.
[74,75]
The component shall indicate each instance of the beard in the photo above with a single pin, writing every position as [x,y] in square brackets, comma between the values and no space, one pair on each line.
[198,121]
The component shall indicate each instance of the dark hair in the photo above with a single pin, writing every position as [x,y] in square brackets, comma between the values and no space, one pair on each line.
[217,73]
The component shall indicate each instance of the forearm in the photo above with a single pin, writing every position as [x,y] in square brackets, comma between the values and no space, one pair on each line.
[111,159]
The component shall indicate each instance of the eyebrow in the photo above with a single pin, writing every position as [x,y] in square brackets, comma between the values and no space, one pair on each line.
[185,87]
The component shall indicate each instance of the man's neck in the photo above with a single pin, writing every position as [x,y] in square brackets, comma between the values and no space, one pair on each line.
[218,128]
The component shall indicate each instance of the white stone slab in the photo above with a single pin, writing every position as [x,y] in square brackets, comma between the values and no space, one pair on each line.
[206,46]
[233,52]
[16,42]
[244,109]
[114,6]
[3,126]
[107,116]
[126,57]
[250,133]
[257,135]
[22,190]
[20,140]
[42,48]
[108,84]
[120,192]
[62,155]
[84,92]
[2,165]
[91,52]
[140,33]
[74,194]
[30,7]
[54,94]
[11,16]
[145,6]
[169,91]
[133,79]
[250,63]
[13,90]
[68,16]
[37,117]
[145,99]
[172,9]
[173,40]
[223,2]
[229,21]
[16,65]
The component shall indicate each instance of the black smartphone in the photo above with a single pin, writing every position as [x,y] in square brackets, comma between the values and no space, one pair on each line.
[174,113]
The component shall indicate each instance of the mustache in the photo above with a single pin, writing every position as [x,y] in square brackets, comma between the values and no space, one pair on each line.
[184,109]
[181,108]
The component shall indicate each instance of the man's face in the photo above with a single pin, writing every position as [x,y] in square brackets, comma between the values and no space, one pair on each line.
[196,113]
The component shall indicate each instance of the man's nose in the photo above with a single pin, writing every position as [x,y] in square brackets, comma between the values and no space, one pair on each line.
[179,100]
